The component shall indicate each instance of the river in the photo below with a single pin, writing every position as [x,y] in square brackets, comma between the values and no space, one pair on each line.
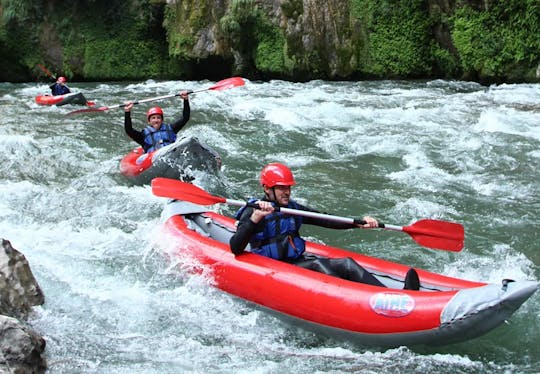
[396,150]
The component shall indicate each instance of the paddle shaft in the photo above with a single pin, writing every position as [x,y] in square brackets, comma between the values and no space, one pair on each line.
[306,213]
[429,233]
[152,99]
[221,85]
[46,71]
[163,97]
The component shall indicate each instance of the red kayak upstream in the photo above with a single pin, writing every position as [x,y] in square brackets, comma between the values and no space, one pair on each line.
[71,98]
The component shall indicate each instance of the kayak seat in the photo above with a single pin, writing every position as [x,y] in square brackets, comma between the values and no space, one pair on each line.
[209,228]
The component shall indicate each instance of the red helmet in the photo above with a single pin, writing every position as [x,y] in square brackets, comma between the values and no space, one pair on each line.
[62,79]
[276,174]
[154,110]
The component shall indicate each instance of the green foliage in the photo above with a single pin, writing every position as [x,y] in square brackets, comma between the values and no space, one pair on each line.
[270,54]
[249,31]
[19,11]
[14,61]
[398,37]
[229,25]
[128,46]
[492,42]
[240,24]
[18,42]
[180,45]
[183,20]
[125,60]
[119,39]
[446,63]
[469,33]
[79,38]
[292,8]
[244,11]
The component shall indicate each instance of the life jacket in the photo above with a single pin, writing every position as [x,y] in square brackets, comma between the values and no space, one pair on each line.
[280,238]
[58,89]
[155,139]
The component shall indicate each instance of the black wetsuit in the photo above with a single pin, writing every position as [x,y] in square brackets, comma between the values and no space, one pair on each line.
[345,268]
[138,136]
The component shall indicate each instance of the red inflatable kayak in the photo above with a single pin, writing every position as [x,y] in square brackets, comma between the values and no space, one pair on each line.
[445,310]
[70,98]
[176,161]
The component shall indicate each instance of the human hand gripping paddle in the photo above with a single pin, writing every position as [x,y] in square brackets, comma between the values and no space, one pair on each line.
[429,233]
[224,84]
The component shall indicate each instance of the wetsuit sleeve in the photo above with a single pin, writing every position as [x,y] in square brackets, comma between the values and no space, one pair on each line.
[137,136]
[186,113]
[324,222]
[245,230]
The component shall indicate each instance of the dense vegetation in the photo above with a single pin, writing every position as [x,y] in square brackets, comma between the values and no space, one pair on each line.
[89,39]
[487,41]
[501,41]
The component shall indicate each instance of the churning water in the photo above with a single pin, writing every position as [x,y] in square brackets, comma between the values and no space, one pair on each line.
[399,151]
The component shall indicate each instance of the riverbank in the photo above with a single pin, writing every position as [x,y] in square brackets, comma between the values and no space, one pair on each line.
[341,40]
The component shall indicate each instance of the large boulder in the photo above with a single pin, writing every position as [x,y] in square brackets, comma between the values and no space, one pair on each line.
[21,348]
[19,290]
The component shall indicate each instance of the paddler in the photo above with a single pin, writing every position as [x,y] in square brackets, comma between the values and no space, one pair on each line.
[274,234]
[59,87]
[157,134]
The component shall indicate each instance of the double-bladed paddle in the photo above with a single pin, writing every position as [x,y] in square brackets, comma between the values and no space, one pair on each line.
[429,233]
[46,71]
[51,75]
[221,85]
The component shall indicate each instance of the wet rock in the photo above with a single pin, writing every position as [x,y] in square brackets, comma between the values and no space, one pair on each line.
[19,290]
[21,348]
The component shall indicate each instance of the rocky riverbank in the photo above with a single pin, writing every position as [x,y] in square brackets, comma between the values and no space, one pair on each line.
[485,41]
[21,347]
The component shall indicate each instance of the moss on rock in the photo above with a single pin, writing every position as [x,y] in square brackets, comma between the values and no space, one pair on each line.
[488,41]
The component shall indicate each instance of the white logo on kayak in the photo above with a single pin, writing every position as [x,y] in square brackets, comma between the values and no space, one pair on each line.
[392,304]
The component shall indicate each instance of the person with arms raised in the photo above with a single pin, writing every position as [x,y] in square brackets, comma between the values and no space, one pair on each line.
[274,234]
[59,87]
[157,134]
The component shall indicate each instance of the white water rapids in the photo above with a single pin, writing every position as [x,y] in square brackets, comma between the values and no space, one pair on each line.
[399,151]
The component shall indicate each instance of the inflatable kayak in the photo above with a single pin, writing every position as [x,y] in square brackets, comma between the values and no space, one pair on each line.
[70,98]
[445,310]
[177,161]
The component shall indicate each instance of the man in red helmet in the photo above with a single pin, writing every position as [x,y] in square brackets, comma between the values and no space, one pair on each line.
[157,134]
[274,234]
[59,87]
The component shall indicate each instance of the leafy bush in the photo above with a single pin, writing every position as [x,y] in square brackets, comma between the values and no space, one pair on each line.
[493,42]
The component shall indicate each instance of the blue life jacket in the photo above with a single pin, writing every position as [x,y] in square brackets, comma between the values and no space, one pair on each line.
[280,238]
[58,89]
[155,139]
